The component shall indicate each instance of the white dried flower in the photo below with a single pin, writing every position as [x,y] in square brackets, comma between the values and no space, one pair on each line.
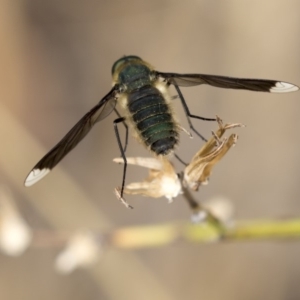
[82,250]
[15,234]
[162,180]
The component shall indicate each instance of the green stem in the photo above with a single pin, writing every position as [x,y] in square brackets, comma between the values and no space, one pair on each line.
[164,234]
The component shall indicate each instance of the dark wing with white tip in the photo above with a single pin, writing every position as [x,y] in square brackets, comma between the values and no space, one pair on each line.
[260,85]
[72,138]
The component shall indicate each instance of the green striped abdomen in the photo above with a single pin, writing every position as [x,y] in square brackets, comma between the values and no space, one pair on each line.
[153,119]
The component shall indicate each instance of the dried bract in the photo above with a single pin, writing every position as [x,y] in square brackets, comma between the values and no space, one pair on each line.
[198,171]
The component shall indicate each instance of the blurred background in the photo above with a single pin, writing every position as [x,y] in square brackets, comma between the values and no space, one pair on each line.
[56,59]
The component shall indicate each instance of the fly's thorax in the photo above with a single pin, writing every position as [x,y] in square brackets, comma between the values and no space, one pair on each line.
[132,73]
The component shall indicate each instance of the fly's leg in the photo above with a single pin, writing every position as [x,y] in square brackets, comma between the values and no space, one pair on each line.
[189,115]
[126,130]
[119,120]
[180,160]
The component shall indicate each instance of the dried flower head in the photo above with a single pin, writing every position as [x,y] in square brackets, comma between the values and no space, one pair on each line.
[163,179]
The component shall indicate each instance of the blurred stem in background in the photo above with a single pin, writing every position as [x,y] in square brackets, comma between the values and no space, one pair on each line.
[83,248]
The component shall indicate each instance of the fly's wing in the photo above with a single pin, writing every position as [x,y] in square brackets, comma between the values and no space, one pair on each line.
[260,85]
[72,138]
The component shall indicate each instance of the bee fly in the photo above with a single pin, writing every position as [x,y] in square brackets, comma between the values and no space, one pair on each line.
[142,92]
